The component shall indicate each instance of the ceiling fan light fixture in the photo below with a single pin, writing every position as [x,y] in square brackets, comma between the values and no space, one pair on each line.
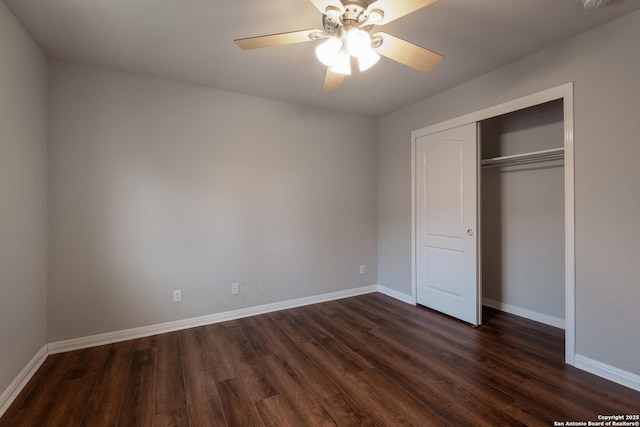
[375,16]
[342,64]
[367,59]
[333,13]
[327,52]
[346,32]
[358,41]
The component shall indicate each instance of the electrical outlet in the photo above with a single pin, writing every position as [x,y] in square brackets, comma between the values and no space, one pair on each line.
[177,295]
[234,288]
[361,268]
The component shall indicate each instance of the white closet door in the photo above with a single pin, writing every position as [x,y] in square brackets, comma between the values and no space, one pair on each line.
[446,218]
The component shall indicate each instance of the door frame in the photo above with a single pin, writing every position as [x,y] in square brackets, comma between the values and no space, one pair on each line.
[564,92]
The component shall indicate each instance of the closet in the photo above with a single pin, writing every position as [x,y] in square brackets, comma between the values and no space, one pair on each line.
[522,218]
[493,221]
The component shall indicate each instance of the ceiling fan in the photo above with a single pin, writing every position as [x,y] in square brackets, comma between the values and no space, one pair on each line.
[347,32]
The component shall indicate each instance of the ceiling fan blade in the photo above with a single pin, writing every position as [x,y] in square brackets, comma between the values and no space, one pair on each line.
[276,39]
[332,81]
[407,53]
[394,9]
[322,5]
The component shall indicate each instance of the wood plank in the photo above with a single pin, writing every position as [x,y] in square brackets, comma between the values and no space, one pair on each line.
[237,404]
[221,360]
[529,416]
[12,416]
[426,385]
[139,396]
[38,403]
[546,398]
[326,340]
[494,378]
[203,401]
[261,346]
[301,399]
[170,397]
[456,375]
[70,405]
[244,362]
[400,408]
[450,335]
[345,411]
[314,378]
[104,404]
[294,331]
[429,334]
[275,412]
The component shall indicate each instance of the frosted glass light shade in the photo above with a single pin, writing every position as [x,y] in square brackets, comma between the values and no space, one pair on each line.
[327,52]
[342,64]
[336,52]
[358,41]
[367,59]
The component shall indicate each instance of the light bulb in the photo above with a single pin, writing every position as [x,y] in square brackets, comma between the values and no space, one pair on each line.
[342,64]
[327,52]
[358,41]
[367,59]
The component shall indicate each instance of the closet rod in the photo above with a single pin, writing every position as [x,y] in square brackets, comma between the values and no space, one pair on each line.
[519,159]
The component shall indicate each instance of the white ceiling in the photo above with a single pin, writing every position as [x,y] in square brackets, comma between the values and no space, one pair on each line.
[192,41]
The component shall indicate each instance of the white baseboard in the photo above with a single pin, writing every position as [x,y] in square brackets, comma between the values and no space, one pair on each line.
[395,294]
[523,312]
[609,372]
[10,394]
[145,331]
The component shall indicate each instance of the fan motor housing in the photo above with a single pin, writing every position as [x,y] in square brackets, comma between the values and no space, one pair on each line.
[355,12]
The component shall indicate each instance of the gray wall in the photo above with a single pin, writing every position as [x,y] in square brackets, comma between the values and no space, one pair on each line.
[158,185]
[605,67]
[23,199]
[523,212]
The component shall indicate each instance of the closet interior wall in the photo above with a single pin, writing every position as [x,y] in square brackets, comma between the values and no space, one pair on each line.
[522,215]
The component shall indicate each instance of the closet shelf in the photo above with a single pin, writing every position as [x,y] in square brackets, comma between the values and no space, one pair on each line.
[525,158]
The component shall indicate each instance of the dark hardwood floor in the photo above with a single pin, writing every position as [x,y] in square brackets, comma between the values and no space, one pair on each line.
[367,360]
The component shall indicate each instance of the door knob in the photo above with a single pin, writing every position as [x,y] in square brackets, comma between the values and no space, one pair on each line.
[469,232]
